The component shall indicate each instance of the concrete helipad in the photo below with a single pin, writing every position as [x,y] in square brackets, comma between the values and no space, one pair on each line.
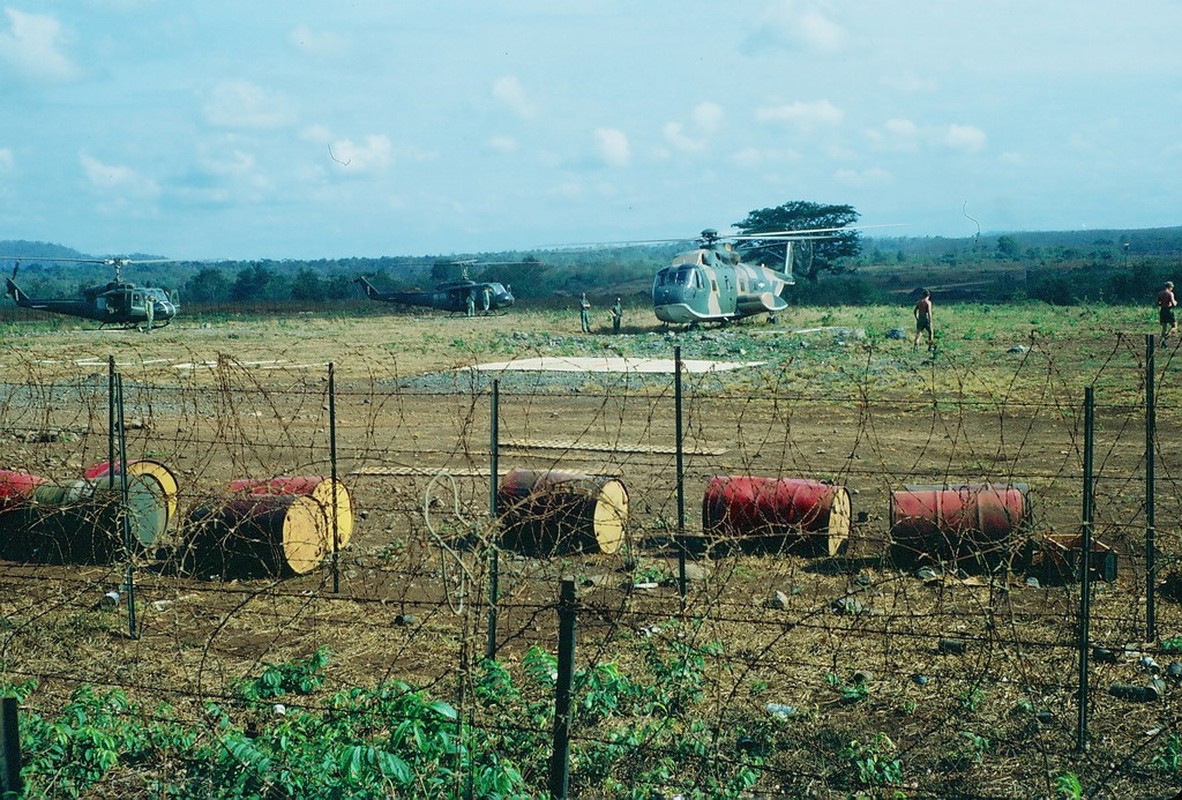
[612,364]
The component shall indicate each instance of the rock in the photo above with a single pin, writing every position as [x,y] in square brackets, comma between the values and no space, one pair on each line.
[778,601]
[850,606]
[1019,348]
[896,333]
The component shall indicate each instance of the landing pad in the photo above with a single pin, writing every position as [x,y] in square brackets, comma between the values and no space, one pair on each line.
[612,364]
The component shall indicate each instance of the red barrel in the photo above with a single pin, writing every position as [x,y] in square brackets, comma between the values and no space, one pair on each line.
[253,535]
[966,521]
[17,486]
[332,495]
[552,511]
[796,510]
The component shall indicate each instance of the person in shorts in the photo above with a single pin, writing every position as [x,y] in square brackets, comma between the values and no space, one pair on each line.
[1165,311]
[923,320]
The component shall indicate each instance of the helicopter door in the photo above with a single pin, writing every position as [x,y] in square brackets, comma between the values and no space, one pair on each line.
[726,291]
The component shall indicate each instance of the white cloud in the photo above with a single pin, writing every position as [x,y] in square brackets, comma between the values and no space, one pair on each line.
[752,157]
[613,146]
[6,160]
[242,104]
[375,154]
[1011,158]
[783,24]
[804,116]
[706,118]
[114,179]
[315,43]
[675,135]
[502,144]
[964,137]
[508,90]
[904,135]
[32,44]
[874,176]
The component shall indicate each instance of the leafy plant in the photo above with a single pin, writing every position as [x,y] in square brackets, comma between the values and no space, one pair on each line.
[1068,786]
[872,763]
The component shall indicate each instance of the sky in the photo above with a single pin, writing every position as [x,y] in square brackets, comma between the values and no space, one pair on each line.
[218,129]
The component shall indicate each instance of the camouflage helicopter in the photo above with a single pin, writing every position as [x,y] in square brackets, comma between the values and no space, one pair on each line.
[116,303]
[713,282]
[464,295]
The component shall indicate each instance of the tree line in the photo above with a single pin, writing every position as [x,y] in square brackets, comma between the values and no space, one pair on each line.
[841,267]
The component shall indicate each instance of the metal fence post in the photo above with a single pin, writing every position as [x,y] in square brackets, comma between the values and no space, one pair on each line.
[560,755]
[1150,491]
[494,442]
[1085,592]
[10,748]
[678,434]
[332,457]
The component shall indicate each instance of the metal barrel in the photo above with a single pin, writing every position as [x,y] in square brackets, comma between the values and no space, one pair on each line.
[254,535]
[82,521]
[794,511]
[318,488]
[549,511]
[158,478]
[970,521]
[15,487]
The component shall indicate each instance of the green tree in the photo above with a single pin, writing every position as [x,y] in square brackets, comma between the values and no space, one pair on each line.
[1007,247]
[813,256]
[308,285]
[210,285]
[252,283]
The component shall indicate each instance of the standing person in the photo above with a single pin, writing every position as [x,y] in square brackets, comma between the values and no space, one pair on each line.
[485,298]
[470,302]
[923,320]
[150,311]
[1165,304]
[585,314]
[617,316]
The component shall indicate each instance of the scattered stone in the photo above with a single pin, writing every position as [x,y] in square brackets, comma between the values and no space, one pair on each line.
[1019,348]
[781,711]
[778,601]
[849,606]
[405,619]
[1044,717]
[1174,670]
[1149,665]
[1033,583]
[920,680]
[896,333]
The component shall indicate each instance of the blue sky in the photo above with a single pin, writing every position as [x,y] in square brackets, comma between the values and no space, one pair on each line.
[218,129]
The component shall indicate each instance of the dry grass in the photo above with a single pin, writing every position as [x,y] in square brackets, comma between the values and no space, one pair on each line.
[869,413]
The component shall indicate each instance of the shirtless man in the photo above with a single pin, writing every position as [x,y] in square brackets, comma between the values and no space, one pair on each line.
[923,320]
[1166,303]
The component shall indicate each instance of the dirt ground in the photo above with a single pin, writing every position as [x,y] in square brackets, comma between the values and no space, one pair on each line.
[406,598]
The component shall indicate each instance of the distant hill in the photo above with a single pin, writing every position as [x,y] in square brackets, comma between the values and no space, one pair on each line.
[25,249]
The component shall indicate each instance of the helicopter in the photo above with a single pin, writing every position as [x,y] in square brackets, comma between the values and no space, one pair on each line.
[712,283]
[453,296]
[116,303]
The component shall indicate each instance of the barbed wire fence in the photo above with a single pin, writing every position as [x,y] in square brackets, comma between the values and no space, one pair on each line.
[961,648]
